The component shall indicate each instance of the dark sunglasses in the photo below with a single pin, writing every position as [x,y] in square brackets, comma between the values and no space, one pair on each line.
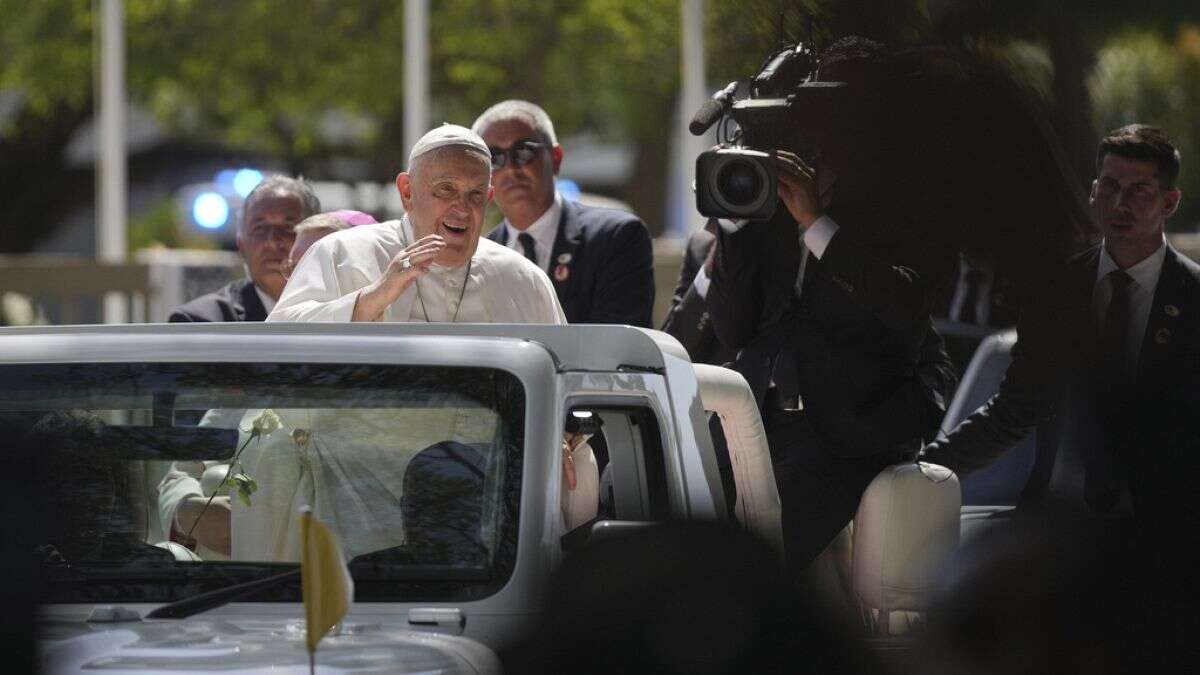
[521,153]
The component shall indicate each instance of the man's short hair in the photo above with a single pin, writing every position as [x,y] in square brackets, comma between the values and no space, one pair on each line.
[864,58]
[531,113]
[278,182]
[321,221]
[1144,143]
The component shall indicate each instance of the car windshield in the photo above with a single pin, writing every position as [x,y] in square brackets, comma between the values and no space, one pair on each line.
[175,478]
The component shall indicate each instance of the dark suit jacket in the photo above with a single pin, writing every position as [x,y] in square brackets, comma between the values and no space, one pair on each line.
[850,348]
[602,265]
[688,319]
[1053,367]
[235,302]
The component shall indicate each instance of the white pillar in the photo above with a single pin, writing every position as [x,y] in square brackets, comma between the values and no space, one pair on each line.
[691,97]
[111,183]
[416,72]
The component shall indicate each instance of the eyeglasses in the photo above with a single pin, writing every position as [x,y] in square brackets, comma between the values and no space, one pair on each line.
[520,154]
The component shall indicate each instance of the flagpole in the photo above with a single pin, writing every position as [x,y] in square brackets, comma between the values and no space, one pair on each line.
[312,662]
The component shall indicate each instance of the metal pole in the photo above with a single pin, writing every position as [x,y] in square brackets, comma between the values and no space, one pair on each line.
[111,189]
[416,72]
[691,97]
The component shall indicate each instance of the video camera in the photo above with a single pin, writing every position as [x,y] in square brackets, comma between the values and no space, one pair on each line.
[782,108]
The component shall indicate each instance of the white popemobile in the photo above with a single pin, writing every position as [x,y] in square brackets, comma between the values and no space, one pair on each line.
[434,452]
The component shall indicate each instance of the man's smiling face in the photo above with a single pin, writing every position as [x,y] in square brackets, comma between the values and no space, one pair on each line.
[446,194]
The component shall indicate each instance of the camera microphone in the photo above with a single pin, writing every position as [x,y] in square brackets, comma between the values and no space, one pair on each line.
[712,110]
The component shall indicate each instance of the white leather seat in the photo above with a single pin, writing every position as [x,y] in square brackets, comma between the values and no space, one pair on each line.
[726,393]
[906,526]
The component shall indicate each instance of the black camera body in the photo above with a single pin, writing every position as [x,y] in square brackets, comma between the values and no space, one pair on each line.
[785,110]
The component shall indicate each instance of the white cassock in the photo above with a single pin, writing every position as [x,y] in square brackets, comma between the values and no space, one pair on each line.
[351,468]
[501,285]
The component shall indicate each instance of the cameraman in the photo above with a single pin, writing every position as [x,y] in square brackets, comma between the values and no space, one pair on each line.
[835,338]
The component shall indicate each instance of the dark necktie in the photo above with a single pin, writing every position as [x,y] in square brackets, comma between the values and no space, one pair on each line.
[969,312]
[526,242]
[1114,339]
[1102,484]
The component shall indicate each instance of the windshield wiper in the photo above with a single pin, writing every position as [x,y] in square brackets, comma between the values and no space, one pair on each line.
[181,609]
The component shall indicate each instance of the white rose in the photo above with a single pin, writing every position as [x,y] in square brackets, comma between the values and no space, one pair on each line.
[266,422]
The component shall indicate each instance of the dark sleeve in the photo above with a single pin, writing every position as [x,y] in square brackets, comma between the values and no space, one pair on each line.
[735,299]
[687,319]
[1025,398]
[936,374]
[181,315]
[898,295]
[624,292]
[692,260]
[910,413]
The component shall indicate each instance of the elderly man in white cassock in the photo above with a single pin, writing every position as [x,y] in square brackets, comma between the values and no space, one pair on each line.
[432,264]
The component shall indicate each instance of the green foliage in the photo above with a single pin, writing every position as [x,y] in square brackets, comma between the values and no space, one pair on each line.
[161,226]
[1142,77]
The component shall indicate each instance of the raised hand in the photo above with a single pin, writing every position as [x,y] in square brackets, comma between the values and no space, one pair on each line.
[798,188]
[405,268]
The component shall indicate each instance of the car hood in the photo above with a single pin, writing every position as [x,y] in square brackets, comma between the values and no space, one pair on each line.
[71,645]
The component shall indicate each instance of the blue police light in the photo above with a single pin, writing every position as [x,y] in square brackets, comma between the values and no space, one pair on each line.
[568,188]
[210,210]
[224,180]
[245,180]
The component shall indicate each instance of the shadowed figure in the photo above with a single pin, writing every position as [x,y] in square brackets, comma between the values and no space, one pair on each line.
[695,598]
[443,505]
[1059,593]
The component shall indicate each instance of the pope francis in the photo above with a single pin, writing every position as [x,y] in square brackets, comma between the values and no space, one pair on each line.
[430,265]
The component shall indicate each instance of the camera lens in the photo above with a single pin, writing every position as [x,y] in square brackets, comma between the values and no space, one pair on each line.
[739,183]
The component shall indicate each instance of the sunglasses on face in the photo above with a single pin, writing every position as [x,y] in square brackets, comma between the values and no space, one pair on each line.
[520,154]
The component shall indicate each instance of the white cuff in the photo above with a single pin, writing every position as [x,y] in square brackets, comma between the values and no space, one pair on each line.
[731,226]
[819,234]
[701,282]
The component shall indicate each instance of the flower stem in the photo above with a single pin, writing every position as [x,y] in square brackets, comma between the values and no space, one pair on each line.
[228,472]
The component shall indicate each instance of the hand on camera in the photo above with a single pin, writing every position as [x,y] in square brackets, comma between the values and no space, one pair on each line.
[798,188]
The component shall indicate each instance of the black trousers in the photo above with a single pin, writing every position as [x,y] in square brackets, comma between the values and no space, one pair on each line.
[819,491]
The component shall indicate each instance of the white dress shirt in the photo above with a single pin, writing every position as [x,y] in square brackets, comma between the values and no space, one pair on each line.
[266,300]
[1141,294]
[543,230]
[814,240]
[502,286]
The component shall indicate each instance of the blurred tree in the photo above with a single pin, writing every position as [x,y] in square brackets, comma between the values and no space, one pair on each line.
[316,82]
[1141,77]
[160,226]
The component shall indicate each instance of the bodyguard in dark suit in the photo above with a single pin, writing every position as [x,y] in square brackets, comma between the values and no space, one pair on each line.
[265,237]
[1108,370]
[599,259]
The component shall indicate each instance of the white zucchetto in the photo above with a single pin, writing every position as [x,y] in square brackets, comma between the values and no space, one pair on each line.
[447,134]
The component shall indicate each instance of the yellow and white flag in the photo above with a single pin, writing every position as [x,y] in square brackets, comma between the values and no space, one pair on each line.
[324,579]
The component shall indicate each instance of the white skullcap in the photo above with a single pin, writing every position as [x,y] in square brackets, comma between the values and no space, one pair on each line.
[448,134]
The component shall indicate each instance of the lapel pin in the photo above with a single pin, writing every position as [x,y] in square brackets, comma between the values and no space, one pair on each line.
[1162,336]
[564,258]
[1171,310]
[561,273]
